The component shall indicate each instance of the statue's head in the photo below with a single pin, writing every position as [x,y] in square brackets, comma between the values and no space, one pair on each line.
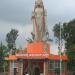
[39,3]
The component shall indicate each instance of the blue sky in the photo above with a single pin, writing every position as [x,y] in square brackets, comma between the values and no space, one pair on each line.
[17,14]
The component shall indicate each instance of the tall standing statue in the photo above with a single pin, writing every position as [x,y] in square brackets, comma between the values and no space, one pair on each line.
[39,21]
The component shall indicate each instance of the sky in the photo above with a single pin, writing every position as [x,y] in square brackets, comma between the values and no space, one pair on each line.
[17,14]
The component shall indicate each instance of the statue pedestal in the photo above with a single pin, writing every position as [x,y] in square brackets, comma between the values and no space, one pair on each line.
[38,48]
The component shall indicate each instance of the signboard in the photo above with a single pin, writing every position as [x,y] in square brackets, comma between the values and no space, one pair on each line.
[29,55]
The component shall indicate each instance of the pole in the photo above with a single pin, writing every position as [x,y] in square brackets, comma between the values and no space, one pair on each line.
[4,68]
[60,47]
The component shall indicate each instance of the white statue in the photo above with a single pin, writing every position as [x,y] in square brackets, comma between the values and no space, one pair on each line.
[39,21]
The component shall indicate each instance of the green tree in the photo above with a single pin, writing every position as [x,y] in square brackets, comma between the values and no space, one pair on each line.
[69,37]
[11,38]
[1,57]
[68,34]
[56,31]
[57,34]
[3,53]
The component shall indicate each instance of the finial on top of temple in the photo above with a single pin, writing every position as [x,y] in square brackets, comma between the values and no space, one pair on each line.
[39,21]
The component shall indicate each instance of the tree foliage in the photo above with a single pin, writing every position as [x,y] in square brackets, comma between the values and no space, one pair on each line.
[68,34]
[11,38]
[3,53]
[56,30]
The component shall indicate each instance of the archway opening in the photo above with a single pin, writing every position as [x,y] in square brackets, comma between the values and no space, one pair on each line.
[36,71]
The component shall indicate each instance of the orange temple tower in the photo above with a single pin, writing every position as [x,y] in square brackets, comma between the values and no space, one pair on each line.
[36,58]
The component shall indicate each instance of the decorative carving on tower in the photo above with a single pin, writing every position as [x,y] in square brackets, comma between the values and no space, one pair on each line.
[39,21]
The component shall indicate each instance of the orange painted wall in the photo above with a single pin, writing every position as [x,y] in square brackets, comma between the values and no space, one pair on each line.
[38,47]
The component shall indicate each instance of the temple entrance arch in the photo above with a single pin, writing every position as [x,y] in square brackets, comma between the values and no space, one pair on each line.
[33,67]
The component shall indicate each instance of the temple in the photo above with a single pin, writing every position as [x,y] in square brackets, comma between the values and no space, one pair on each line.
[36,58]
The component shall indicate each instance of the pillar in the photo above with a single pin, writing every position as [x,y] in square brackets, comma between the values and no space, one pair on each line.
[20,67]
[45,67]
[11,70]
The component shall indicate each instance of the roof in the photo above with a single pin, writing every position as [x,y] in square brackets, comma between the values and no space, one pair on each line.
[57,57]
[11,57]
[36,50]
[50,57]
